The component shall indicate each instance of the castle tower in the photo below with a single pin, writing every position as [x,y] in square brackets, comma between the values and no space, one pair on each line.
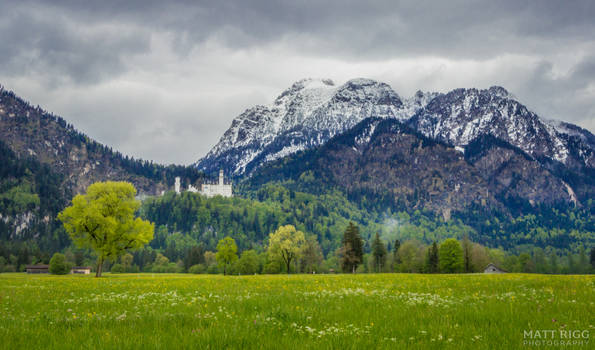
[177,185]
[217,188]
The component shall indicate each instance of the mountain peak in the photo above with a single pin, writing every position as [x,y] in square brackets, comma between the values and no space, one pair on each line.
[499,91]
[312,111]
[313,83]
[361,82]
[305,115]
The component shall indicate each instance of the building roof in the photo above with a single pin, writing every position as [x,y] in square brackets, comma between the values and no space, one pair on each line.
[494,265]
[38,266]
[81,267]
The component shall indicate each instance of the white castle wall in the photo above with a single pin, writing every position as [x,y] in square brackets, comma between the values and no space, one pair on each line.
[210,190]
[219,189]
[177,185]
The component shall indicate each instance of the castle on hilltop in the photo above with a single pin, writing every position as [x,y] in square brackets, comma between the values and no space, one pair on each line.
[213,189]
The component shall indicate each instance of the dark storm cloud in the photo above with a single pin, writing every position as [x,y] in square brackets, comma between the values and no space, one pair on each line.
[38,42]
[199,63]
[554,96]
[371,29]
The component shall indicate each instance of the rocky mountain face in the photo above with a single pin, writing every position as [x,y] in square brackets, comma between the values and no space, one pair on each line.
[306,115]
[313,111]
[31,132]
[45,161]
[385,162]
[464,116]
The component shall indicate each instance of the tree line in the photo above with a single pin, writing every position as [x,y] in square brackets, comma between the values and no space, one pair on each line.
[189,227]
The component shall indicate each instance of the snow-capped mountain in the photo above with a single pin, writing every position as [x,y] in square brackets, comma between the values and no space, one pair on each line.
[312,111]
[462,115]
[307,114]
[388,163]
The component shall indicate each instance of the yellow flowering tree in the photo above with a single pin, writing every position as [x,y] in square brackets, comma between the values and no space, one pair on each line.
[286,243]
[104,220]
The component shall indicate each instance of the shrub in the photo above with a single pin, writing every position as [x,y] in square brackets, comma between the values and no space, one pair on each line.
[213,269]
[9,268]
[117,268]
[167,268]
[158,268]
[196,269]
[58,265]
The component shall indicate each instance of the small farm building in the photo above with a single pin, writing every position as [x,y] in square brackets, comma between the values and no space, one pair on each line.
[84,270]
[38,268]
[491,268]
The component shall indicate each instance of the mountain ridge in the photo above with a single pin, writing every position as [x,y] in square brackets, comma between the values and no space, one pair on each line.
[30,131]
[312,111]
[387,164]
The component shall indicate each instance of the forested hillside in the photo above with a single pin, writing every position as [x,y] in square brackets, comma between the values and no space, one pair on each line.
[250,220]
[31,195]
[32,132]
[45,161]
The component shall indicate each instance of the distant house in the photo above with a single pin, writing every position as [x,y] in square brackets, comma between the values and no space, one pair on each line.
[38,268]
[83,270]
[491,268]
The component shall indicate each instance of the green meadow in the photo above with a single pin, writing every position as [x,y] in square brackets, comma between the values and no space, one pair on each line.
[181,311]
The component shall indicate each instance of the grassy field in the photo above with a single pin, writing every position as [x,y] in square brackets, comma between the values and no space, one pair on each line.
[148,311]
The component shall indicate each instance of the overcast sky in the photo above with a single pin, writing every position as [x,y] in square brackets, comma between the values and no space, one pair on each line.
[162,80]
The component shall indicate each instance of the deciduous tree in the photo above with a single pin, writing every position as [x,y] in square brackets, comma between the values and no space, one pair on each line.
[248,263]
[59,265]
[286,243]
[311,255]
[226,253]
[451,256]
[409,254]
[104,220]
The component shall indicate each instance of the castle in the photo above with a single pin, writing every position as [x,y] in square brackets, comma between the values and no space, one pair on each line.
[210,189]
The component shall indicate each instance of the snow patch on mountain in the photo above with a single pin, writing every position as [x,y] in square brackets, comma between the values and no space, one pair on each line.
[462,115]
[306,115]
[312,111]
[287,150]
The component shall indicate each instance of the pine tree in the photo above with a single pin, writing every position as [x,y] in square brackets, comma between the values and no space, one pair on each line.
[582,261]
[433,258]
[554,263]
[396,259]
[466,254]
[352,250]
[379,253]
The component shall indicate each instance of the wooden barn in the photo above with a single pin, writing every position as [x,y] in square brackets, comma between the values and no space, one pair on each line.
[491,268]
[38,268]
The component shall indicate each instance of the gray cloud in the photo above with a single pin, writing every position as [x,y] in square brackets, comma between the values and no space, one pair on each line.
[35,42]
[177,72]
